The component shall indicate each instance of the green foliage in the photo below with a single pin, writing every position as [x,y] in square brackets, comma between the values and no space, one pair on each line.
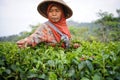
[79,33]
[91,61]
[110,26]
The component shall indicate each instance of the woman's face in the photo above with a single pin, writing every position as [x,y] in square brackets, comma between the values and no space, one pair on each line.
[55,13]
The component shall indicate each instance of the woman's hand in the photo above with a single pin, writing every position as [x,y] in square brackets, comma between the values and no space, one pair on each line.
[76,45]
[22,43]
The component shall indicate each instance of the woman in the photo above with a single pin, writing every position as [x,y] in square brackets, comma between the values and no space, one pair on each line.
[56,11]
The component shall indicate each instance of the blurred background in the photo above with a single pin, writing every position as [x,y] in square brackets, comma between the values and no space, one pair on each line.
[20,16]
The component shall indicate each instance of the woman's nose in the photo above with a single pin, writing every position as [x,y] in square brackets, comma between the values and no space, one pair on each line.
[54,13]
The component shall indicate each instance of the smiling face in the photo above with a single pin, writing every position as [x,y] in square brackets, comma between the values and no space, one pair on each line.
[55,13]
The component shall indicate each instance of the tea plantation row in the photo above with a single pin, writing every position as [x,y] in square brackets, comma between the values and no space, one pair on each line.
[91,61]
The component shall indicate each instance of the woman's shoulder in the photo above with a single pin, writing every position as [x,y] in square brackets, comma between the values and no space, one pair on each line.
[43,26]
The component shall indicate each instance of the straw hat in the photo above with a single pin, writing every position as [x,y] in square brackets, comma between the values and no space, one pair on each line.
[42,7]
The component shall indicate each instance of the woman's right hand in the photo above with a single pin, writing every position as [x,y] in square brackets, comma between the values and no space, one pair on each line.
[22,43]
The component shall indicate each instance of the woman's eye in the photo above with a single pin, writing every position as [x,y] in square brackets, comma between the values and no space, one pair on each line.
[57,10]
[50,10]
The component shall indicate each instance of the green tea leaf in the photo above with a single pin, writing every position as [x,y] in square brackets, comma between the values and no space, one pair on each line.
[84,78]
[52,76]
[81,65]
[71,72]
[8,71]
[89,65]
[96,77]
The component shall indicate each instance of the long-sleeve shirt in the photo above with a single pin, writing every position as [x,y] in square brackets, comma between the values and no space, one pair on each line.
[42,34]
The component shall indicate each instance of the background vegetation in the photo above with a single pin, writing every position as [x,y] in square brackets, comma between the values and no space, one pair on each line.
[105,29]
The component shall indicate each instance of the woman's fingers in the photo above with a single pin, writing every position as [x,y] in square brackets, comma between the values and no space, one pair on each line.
[76,45]
[20,46]
[22,43]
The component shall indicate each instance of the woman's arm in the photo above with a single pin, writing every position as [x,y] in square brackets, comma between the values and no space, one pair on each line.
[41,34]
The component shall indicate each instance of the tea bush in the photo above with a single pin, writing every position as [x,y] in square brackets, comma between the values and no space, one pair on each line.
[91,61]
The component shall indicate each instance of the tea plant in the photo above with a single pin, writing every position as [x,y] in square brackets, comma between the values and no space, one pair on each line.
[91,61]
